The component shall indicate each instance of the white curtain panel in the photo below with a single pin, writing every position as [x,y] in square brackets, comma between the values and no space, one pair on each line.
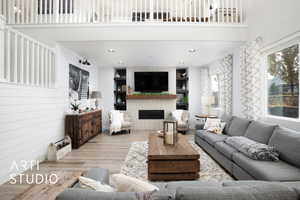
[225,72]
[251,79]
[205,87]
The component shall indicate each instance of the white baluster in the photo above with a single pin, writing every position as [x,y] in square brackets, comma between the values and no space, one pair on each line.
[8,55]
[38,64]
[33,59]
[242,11]
[15,78]
[21,61]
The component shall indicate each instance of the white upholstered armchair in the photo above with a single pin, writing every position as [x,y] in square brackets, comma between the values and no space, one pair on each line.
[182,119]
[119,121]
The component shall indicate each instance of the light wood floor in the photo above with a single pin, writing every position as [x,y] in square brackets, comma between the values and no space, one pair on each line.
[102,151]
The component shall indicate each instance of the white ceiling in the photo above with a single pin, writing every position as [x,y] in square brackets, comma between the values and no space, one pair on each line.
[152,53]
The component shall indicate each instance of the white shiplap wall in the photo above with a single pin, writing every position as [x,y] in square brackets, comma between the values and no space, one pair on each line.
[32,117]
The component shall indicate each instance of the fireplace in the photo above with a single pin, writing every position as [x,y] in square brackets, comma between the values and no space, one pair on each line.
[151,114]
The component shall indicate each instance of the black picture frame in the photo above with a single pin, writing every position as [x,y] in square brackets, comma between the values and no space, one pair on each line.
[78,83]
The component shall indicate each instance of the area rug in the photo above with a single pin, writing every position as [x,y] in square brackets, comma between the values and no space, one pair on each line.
[135,164]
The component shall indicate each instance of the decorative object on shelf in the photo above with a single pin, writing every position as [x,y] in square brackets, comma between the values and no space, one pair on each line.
[208,101]
[119,100]
[170,132]
[183,87]
[123,88]
[119,89]
[117,75]
[75,106]
[78,83]
[84,62]
[96,95]
[185,100]
[58,150]
[129,90]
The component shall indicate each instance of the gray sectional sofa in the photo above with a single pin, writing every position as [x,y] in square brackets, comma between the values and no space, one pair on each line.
[190,190]
[258,180]
[286,141]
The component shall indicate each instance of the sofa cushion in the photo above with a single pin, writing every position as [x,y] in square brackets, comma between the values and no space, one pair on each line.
[291,185]
[245,183]
[225,149]
[260,132]
[261,192]
[267,170]
[287,142]
[200,133]
[212,138]
[83,194]
[177,184]
[227,119]
[98,174]
[238,126]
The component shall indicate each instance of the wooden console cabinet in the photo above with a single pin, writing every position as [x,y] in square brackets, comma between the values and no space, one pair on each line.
[82,127]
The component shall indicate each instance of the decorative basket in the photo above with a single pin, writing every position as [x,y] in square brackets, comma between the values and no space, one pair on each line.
[58,150]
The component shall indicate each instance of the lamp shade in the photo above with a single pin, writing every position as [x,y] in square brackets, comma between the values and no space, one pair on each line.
[208,100]
[96,95]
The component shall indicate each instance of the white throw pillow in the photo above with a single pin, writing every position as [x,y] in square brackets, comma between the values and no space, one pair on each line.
[95,185]
[125,183]
[218,130]
[212,123]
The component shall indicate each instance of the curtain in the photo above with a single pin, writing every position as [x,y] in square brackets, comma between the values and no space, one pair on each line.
[225,71]
[223,68]
[205,87]
[251,80]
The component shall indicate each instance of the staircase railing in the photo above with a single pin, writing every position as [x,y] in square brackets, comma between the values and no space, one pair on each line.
[124,11]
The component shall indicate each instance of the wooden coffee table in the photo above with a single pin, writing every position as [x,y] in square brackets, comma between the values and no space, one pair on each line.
[169,163]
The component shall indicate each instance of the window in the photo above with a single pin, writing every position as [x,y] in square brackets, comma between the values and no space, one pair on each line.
[215,90]
[283,83]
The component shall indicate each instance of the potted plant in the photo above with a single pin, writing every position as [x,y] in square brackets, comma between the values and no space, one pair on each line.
[75,106]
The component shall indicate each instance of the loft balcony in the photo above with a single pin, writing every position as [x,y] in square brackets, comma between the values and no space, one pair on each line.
[106,12]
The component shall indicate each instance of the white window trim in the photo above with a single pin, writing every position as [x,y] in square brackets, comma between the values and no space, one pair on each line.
[265,78]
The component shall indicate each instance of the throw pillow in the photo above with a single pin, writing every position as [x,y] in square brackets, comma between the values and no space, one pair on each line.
[94,185]
[125,183]
[218,130]
[252,149]
[212,123]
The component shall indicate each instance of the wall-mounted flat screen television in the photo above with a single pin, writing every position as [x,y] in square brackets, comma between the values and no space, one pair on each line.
[151,81]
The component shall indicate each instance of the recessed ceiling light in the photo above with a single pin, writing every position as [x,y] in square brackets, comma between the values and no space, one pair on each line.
[181,62]
[192,50]
[121,62]
[111,50]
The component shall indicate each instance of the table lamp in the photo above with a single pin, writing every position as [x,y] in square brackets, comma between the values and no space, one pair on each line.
[96,95]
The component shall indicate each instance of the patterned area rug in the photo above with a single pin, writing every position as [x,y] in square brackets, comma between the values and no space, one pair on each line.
[135,164]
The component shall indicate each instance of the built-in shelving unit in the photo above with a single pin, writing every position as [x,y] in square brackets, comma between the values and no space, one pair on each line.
[120,89]
[182,90]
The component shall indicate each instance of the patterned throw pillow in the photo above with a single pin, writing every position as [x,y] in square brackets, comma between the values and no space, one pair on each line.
[219,129]
[214,126]
[211,123]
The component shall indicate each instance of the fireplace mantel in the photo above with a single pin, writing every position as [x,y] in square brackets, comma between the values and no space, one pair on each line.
[152,96]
